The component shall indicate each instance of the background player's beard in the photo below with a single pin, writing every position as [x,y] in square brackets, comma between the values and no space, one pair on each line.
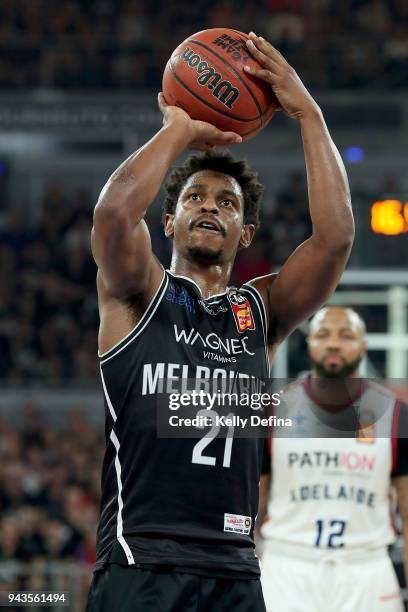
[346,370]
[206,256]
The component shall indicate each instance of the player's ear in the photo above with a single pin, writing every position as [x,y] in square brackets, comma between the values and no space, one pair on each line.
[247,233]
[168,225]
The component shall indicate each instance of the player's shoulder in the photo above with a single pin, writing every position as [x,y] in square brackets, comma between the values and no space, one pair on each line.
[262,285]
[295,387]
[380,390]
[263,282]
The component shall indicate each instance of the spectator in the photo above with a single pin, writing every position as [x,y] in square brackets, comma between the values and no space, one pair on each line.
[112,43]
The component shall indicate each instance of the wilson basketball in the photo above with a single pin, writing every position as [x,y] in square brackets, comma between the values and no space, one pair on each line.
[205,76]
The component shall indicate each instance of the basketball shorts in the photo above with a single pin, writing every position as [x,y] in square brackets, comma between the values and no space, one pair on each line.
[333,583]
[131,589]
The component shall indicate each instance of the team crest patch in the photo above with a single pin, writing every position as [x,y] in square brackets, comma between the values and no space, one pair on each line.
[241,309]
[366,429]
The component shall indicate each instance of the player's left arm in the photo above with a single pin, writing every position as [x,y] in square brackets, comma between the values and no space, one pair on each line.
[312,272]
[400,477]
[401,486]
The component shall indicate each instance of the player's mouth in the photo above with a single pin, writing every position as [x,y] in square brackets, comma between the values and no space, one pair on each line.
[209,225]
[333,360]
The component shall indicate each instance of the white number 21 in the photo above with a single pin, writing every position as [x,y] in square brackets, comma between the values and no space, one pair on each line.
[198,456]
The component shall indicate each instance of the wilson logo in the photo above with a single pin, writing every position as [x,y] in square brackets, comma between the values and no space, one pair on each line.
[221,89]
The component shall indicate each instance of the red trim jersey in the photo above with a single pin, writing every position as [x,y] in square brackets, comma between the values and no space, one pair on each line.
[332,492]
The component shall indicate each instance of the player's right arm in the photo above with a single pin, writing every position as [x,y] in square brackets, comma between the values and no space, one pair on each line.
[264,493]
[121,246]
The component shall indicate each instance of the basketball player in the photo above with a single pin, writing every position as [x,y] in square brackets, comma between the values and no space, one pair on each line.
[177,516]
[328,505]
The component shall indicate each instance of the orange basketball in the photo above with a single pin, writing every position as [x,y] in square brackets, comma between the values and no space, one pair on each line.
[205,76]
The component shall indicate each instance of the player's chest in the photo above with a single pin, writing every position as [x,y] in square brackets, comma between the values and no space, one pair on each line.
[223,332]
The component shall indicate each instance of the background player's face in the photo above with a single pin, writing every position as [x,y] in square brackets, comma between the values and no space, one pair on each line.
[336,343]
[208,224]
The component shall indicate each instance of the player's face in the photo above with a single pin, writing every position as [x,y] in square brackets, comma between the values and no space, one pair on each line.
[208,223]
[336,343]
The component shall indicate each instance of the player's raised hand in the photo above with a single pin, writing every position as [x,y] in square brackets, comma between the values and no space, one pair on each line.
[201,135]
[287,86]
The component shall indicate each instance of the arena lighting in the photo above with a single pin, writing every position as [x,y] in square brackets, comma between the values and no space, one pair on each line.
[389,217]
[354,155]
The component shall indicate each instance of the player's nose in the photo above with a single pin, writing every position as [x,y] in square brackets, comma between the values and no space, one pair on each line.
[333,346]
[210,205]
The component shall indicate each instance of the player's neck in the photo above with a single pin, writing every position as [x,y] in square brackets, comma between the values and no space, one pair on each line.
[211,279]
[335,392]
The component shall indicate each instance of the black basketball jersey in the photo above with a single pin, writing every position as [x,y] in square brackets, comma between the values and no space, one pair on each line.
[183,502]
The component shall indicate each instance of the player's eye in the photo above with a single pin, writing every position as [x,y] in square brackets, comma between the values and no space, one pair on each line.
[194,196]
[227,202]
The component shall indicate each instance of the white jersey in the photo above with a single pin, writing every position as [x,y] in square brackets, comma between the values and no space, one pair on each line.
[329,493]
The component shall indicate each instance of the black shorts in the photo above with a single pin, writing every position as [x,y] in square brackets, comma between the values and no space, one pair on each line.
[130,589]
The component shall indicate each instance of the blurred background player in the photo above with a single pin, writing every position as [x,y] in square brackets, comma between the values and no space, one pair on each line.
[329,499]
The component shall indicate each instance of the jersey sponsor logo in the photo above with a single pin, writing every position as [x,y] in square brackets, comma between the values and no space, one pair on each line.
[181,297]
[220,358]
[241,309]
[237,523]
[351,461]
[227,346]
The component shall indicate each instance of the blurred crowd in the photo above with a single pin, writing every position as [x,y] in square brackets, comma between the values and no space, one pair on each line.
[48,306]
[126,43]
[48,303]
[49,495]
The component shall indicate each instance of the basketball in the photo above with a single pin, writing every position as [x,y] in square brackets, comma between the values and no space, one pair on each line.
[205,76]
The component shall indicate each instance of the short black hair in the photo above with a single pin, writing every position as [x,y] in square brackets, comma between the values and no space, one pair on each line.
[219,161]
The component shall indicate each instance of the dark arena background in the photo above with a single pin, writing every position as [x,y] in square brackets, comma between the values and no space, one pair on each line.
[78,91]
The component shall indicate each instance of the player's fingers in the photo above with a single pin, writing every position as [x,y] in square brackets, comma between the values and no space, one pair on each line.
[162,102]
[228,137]
[266,47]
[259,55]
[218,136]
[266,75]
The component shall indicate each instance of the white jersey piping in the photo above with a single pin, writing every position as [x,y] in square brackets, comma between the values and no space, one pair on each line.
[118,467]
[198,287]
[249,289]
